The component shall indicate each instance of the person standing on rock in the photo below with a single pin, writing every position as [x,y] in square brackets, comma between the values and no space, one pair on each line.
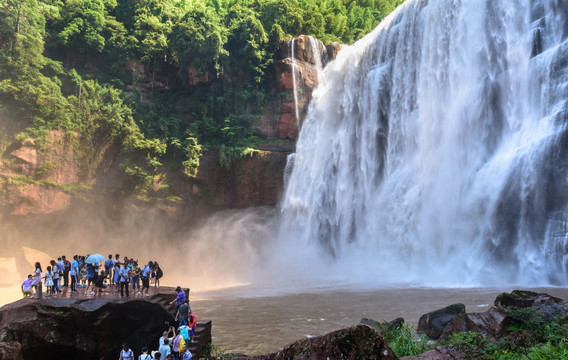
[176,351]
[165,349]
[91,277]
[159,274]
[49,282]
[124,274]
[74,272]
[56,271]
[182,314]
[126,353]
[108,267]
[61,267]
[180,299]
[116,273]
[135,272]
[191,322]
[146,271]
[66,271]
[36,278]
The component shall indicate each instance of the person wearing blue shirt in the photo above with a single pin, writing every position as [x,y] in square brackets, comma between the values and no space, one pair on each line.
[186,355]
[108,266]
[74,273]
[115,277]
[124,275]
[91,277]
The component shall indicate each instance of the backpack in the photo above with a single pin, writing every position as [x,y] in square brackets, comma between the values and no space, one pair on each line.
[159,273]
[184,333]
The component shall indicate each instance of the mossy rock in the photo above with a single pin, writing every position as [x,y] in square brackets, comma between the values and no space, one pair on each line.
[548,305]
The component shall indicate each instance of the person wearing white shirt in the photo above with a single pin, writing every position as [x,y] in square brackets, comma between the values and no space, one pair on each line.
[146,271]
[126,353]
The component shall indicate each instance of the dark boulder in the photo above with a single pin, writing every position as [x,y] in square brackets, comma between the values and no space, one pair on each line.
[550,306]
[359,342]
[433,323]
[69,328]
[492,324]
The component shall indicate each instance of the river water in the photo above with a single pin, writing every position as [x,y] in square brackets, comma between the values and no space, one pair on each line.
[255,325]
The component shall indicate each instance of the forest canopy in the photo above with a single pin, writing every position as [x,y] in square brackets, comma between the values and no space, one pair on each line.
[72,65]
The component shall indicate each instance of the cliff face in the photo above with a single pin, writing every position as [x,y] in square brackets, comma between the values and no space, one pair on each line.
[295,75]
[42,178]
[39,177]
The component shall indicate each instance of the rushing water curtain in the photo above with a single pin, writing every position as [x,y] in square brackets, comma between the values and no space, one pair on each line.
[434,149]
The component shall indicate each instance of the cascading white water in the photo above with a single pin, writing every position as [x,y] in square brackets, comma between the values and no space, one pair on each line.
[294,65]
[434,151]
[316,54]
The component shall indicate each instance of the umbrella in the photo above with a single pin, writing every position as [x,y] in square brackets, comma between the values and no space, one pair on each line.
[94,258]
[33,256]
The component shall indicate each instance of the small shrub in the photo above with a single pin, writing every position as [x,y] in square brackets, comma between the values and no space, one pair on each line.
[401,340]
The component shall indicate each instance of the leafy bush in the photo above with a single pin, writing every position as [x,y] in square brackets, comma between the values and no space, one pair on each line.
[402,341]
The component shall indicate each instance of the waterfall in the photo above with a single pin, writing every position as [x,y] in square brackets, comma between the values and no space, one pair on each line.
[434,151]
[294,65]
[313,58]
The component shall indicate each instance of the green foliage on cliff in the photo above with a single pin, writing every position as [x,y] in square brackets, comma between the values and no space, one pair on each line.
[84,65]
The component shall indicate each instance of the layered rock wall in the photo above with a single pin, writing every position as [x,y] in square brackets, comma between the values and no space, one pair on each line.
[296,76]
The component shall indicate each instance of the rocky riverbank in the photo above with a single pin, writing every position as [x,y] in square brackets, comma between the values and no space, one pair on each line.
[93,327]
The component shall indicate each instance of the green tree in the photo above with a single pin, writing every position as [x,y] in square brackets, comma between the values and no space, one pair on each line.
[81,24]
[193,152]
[198,41]
[247,42]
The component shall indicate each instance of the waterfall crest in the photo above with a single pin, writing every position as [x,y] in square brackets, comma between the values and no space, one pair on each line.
[434,150]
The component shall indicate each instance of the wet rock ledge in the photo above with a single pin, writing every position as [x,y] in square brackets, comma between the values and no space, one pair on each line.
[86,327]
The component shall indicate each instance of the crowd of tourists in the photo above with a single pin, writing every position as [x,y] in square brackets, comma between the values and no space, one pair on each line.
[86,272]
[93,275]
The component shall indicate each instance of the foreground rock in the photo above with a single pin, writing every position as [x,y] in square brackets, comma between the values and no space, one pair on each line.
[490,325]
[549,306]
[80,328]
[359,342]
[433,323]
[86,328]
